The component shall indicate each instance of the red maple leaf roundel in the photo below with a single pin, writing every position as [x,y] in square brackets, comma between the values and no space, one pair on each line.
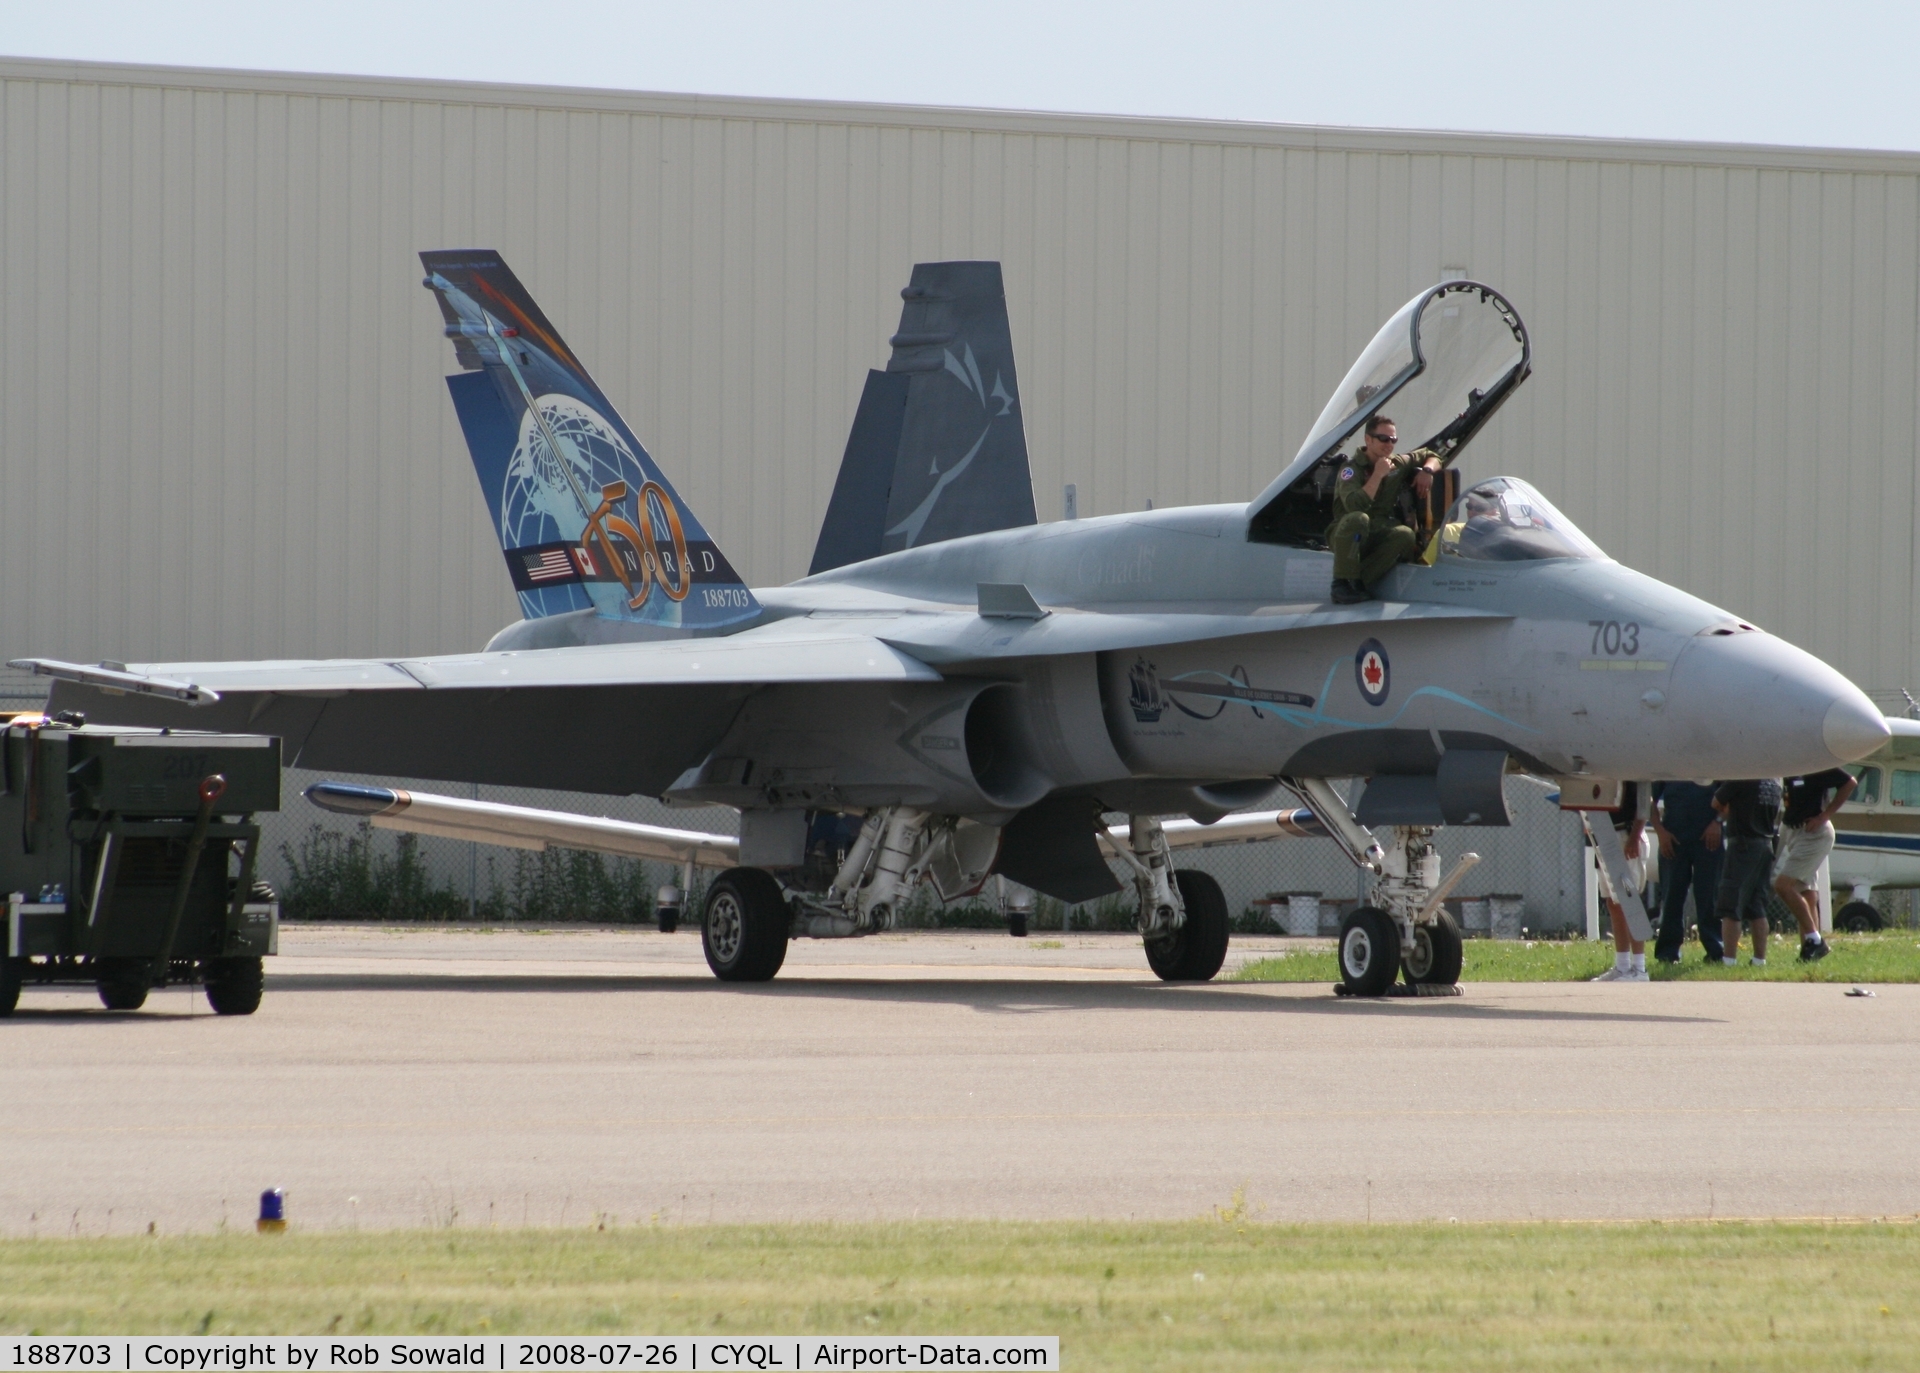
[1371,672]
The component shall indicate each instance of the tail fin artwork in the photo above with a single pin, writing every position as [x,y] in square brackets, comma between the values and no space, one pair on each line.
[586,519]
[937,449]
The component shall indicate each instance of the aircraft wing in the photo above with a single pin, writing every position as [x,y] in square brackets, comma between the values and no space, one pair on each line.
[615,718]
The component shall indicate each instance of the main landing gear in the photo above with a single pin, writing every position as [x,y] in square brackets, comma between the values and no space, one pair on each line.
[1183,913]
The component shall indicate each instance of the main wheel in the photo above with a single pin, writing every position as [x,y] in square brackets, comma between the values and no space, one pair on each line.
[233,985]
[744,931]
[1858,917]
[13,972]
[1017,924]
[1369,951]
[123,983]
[1195,951]
[1437,952]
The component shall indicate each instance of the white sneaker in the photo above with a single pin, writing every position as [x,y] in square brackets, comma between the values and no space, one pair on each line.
[1633,975]
[1612,975]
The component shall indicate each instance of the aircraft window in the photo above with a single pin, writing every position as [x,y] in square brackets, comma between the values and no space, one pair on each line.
[1868,792]
[1905,790]
[1504,520]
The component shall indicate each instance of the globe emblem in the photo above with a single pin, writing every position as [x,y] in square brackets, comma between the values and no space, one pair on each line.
[536,504]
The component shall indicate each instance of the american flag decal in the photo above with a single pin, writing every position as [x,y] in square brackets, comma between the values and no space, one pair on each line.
[550,565]
[560,563]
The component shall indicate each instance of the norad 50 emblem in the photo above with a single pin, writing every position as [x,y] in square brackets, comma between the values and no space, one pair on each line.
[1372,673]
[579,507]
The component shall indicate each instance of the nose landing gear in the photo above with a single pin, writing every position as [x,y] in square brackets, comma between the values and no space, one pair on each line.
[1403,928]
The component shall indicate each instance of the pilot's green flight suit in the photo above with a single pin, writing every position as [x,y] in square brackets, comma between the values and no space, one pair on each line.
[1365,539]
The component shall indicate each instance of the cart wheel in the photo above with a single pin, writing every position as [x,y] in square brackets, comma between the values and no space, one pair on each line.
[13,972]
[123,983]
[233,985]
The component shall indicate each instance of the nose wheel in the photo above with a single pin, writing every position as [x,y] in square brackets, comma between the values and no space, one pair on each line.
[1369,951]
[1437,953]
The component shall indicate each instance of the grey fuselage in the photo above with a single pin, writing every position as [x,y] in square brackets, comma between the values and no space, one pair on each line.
[1176,655]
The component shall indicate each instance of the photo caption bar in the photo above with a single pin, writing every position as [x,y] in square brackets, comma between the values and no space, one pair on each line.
[316,1353]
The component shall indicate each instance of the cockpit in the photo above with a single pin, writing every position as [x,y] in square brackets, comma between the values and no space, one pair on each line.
[1503,520]
[1440,368]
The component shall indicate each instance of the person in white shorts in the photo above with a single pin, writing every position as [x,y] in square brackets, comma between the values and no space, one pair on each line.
[1808,807]
[1629,820]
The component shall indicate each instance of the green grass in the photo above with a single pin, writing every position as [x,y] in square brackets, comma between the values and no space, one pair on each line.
[1890,956]
[1223,1293]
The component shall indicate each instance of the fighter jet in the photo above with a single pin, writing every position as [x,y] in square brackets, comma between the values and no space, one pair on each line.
[957,691]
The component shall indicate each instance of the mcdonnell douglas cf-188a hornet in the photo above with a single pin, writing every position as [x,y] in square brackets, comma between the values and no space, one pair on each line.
[957,691]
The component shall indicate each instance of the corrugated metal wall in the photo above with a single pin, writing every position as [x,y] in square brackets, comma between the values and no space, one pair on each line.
[223,431]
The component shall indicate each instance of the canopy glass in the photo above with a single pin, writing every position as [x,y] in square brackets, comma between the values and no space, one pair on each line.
[1503,520]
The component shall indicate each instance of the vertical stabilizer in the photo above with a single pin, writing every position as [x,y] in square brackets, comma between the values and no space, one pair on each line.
[586,519]
[938,449]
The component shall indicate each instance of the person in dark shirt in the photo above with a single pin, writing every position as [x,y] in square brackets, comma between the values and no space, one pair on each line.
[1749,819]
[1689,836]
[1810,805]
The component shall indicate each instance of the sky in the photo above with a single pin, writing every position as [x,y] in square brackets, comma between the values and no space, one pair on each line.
[1834,74]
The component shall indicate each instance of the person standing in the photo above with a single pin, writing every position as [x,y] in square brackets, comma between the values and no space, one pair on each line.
[1688,833]
[1365,537]
[1629,822]
[1750,818]
[1810,805]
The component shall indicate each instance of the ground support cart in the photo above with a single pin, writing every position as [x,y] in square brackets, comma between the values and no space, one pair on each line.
[127,860]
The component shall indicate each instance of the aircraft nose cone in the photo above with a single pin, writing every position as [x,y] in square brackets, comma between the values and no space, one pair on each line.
[1751,705]
[1853,729]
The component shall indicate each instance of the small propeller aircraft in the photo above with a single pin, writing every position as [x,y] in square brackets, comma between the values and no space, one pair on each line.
[957,691]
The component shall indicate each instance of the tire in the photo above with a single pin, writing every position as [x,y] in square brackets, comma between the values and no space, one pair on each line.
[1017,924]
[744,929]
[123,983]
[1858,917]
[1195,951]
[13,972]
[1369,951]
[233,985]
[1437,953]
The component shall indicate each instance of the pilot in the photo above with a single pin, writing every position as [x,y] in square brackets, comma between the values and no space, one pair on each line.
[1365,538]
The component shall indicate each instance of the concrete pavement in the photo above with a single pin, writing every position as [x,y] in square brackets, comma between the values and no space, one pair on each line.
[423,1078]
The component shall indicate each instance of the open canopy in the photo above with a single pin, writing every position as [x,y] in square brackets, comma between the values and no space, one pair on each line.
[1440,366]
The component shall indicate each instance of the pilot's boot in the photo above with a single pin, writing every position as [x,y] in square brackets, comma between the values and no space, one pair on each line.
[1347,591]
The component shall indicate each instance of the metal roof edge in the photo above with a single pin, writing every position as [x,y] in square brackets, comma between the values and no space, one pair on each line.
[1306,137]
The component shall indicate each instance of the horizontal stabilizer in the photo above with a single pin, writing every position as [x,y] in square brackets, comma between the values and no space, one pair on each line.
[522,827]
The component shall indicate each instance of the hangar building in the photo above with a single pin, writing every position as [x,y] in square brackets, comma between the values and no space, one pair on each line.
[223,432]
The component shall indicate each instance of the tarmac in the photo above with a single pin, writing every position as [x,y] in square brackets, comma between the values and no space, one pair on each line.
[419,1077]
